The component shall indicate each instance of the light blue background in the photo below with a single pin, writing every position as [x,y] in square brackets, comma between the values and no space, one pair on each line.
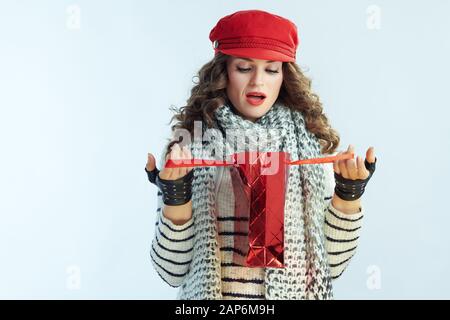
[80,109]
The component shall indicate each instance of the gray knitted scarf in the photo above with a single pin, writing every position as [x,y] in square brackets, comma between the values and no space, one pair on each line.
[306,273]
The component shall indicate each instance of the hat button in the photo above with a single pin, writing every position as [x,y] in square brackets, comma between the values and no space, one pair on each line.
[215,44]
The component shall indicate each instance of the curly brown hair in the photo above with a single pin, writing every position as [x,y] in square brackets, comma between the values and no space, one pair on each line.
[209,93]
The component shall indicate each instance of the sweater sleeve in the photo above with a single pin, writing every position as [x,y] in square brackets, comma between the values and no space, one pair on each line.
[341,232]
[172,246]
[341,238]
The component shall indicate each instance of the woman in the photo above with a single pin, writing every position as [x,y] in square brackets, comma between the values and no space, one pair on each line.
[254,84]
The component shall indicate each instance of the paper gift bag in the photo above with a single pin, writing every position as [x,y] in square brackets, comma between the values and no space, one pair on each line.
[259,184]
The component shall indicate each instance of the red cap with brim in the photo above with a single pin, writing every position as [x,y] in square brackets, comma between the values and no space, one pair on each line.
[256,34]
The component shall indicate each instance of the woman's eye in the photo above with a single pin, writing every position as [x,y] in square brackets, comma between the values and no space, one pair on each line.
[248,69]
[243,69]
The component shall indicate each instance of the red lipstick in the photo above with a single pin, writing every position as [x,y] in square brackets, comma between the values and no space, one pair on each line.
[255,98]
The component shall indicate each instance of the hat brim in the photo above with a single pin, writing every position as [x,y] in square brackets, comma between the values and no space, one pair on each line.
[258,53]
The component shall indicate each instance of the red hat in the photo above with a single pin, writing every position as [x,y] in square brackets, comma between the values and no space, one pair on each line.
[255,34]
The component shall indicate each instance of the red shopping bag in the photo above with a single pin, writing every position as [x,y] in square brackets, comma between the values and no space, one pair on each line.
[259,182]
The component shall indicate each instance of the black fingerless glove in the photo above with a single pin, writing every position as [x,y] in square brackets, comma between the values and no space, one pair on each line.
[348,189]
[175,192]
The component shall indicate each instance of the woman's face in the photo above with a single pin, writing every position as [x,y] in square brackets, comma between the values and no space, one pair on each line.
[260,77]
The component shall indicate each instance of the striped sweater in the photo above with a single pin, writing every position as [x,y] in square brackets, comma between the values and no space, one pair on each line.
[172,245]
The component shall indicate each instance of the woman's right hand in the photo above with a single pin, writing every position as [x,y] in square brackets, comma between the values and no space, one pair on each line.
[176,153]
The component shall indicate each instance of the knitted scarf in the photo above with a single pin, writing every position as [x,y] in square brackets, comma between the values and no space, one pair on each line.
[306,273]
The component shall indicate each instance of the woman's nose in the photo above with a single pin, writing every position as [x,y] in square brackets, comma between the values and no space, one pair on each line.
[257,78]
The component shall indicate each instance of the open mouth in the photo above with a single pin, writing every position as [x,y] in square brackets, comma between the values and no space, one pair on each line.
[256,95]
[255,101]
[255,98]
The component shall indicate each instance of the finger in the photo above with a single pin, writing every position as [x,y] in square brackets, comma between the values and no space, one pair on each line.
[151,162]
[350,148]
[336,166]
[175,157]
[165,173]
[180,157]
[370,155]
[343,168]
[344,164]
[363,173]
[352,170]
[171,172]
[189,156]
[183,170]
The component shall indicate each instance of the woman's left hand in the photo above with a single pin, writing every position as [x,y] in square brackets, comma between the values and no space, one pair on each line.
[354,169]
